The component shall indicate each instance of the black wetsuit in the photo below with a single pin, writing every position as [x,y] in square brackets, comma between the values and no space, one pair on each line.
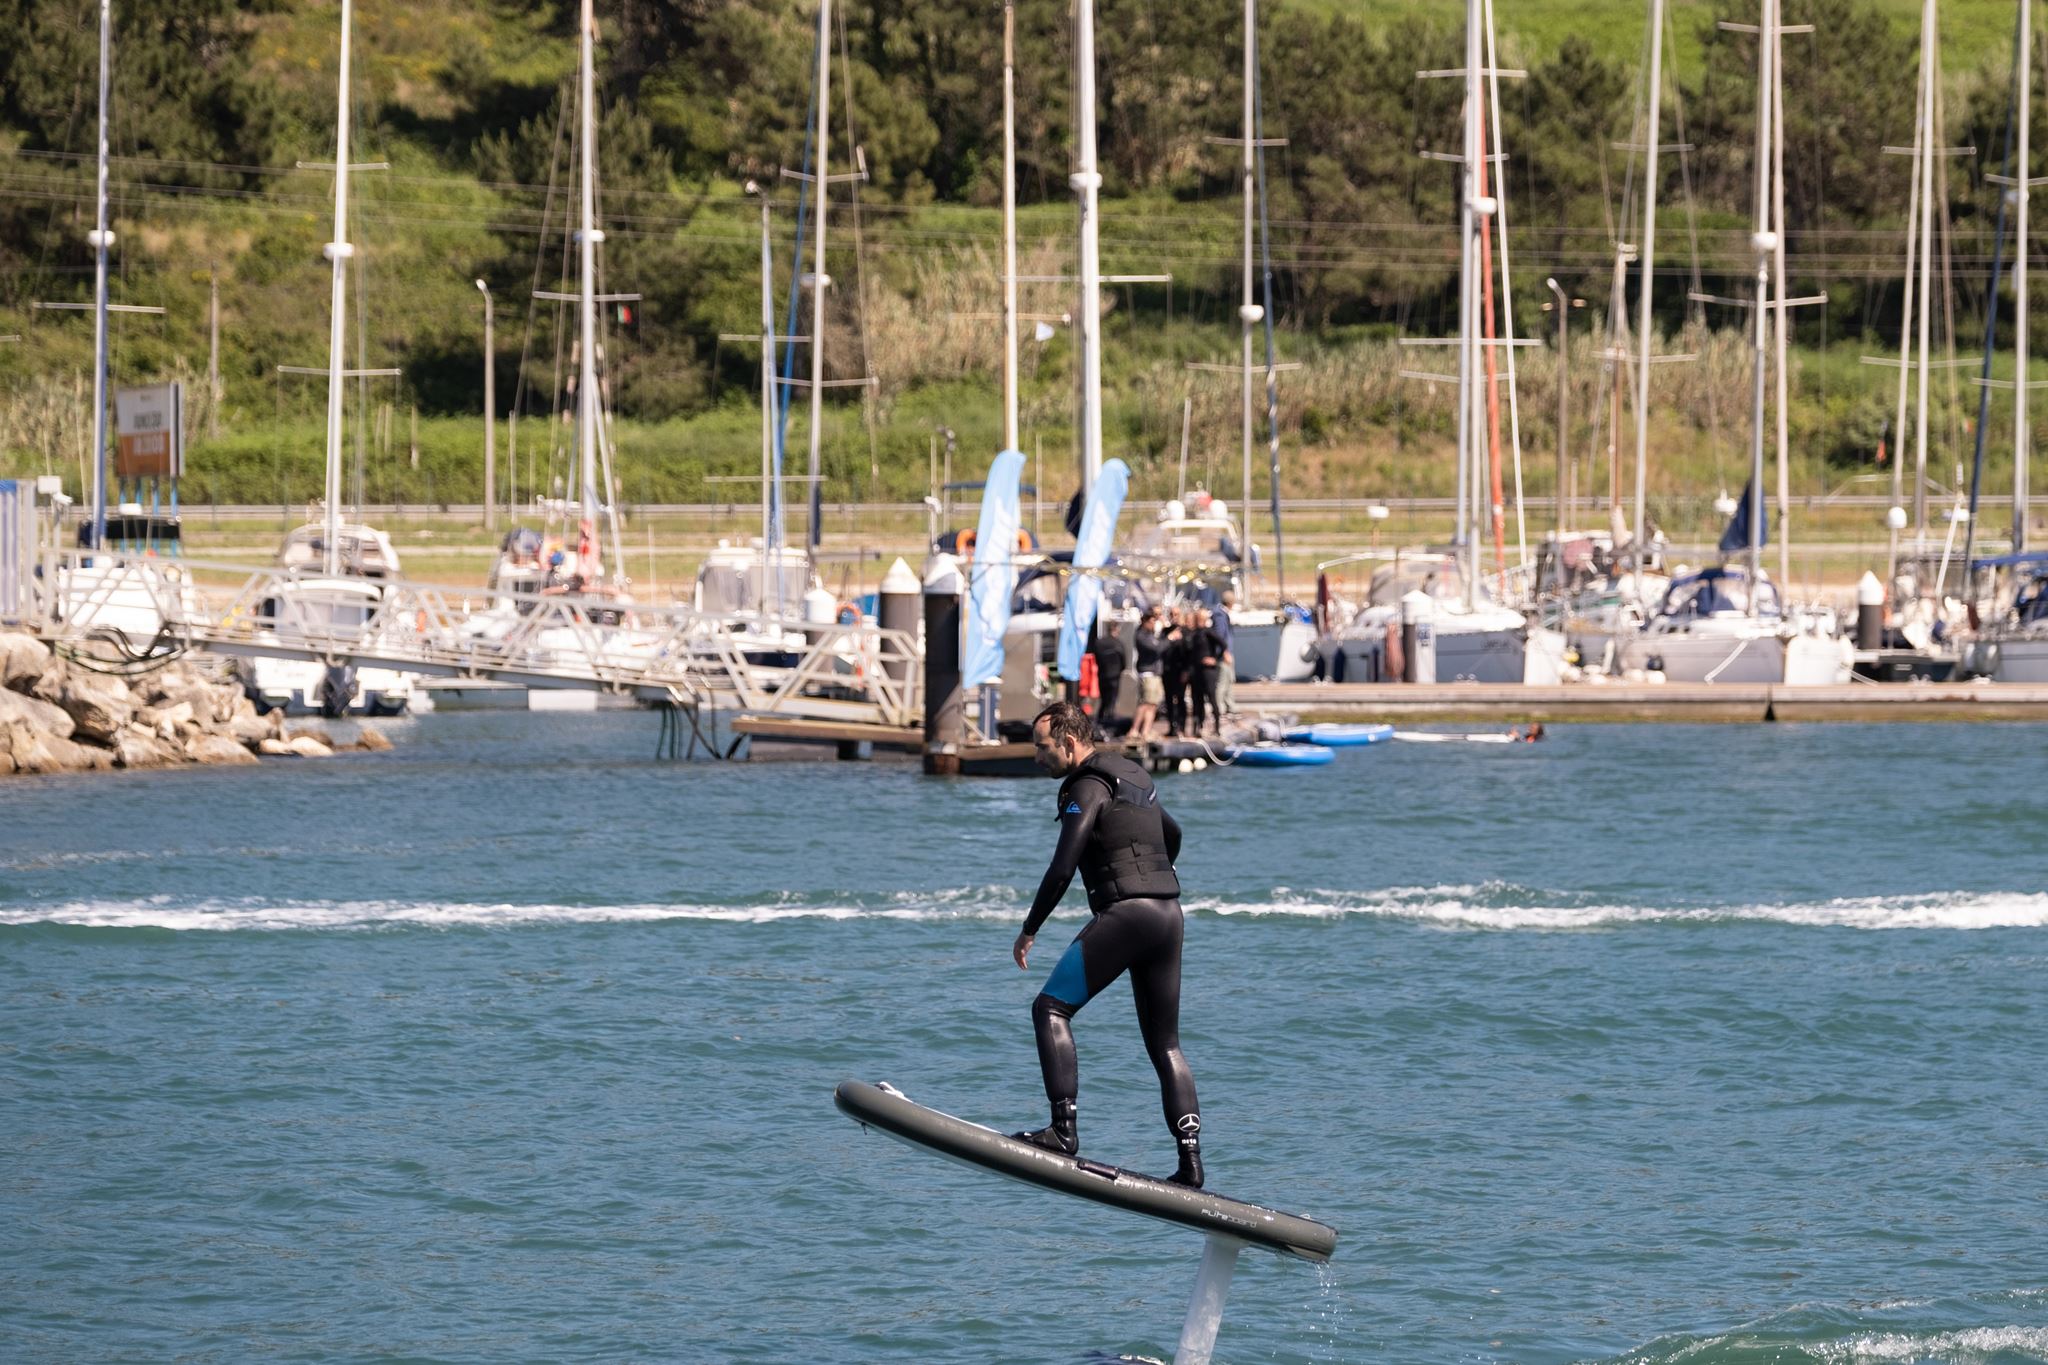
[1116,834]
[1109,672]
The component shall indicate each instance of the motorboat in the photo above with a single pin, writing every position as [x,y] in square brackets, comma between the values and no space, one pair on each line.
[314,606]
[323,613]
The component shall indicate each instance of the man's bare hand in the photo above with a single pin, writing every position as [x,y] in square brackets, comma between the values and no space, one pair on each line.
[1021,950]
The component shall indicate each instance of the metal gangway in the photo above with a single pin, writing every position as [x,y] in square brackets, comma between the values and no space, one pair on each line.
[662,654]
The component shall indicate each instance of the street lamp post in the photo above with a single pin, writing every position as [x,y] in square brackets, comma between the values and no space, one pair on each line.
[490,417]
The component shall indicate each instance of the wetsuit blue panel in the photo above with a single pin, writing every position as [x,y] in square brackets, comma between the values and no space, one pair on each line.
[1068,983]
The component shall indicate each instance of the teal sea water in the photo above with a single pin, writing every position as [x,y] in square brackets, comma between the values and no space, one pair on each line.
[1722,1046]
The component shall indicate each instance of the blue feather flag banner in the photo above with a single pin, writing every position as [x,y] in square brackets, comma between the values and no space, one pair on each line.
[992,580]
[1091,551]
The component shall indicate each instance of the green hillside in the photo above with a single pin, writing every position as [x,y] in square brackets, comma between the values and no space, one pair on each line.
[218,104]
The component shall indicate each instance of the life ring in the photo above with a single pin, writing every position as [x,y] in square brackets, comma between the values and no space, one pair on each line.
[964,541]
[847,614]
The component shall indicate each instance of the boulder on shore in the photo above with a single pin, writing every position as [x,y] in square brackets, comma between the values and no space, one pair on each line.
[35,713]
[207,748]
[101,707]
[57,716]
[22,660]
[136,749]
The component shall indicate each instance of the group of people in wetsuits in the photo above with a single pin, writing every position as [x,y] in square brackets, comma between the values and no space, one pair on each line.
[1185,666]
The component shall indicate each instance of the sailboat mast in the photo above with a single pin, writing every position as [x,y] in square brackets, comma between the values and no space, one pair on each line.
[1468,332]
[101,239]
[1898,453]
[1763,241]
[338,251]
[2021,192]
[1784,404]
[1266,314]
[1248,312]
[587,239]
[1924,176]
[771,551]
[819,279]
[1647,254]
[1009,226]
[1087,184]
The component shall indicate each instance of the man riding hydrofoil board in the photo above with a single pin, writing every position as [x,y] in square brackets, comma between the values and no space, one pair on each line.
[1116,834]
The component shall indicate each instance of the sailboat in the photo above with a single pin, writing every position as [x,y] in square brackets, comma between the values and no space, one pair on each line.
[1478,638]
[770,588]
[1729,623]
[1601,585]
[1266,643]
[130,599]
[533,565]
[2013,644]
[334,590]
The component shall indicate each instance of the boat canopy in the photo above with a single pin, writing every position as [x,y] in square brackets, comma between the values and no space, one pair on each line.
[2029,559]
[1722,591]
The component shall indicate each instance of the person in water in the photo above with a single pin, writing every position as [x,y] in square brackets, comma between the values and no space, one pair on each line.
[1116,834]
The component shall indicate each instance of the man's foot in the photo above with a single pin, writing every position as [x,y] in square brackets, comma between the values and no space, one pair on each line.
[1187,1136]
[1062,1135]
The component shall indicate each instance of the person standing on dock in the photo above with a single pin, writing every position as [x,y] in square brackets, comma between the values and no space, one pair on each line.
[1205,652]
[1116,834]
[1226,680]
[1150,647]
[1108,648]
[1176,670]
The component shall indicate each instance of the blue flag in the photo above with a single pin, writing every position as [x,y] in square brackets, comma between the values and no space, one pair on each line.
[1091,551]
[992,579]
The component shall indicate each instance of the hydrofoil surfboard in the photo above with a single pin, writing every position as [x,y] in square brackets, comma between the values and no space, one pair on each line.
[889,1109]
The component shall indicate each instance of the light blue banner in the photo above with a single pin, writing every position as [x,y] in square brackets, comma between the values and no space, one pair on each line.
[1091,551]
[992,580]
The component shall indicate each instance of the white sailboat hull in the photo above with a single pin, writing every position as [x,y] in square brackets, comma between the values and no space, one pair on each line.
[1280,650]
[1703,657]
[2016,659]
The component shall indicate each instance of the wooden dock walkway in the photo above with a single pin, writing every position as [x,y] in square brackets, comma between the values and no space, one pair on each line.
[1625,702]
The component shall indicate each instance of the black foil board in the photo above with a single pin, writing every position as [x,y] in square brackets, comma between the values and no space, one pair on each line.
[886,1108]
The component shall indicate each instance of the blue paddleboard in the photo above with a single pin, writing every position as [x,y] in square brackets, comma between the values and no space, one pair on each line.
[1341,736]
[1270,755]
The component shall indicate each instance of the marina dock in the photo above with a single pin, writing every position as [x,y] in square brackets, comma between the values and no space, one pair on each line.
[1625,702]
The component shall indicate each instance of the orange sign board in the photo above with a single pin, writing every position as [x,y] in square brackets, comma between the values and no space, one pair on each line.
[149,432]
